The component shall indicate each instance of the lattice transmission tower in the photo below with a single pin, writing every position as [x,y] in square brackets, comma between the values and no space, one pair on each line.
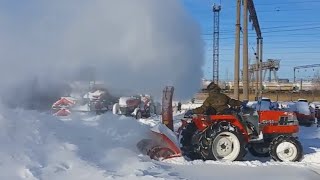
[216,21]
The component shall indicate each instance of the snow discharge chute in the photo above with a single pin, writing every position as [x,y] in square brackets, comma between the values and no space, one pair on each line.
[163,143]
[167,116]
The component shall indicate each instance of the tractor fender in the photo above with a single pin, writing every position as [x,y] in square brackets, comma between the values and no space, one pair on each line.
[115,108]
[202,122]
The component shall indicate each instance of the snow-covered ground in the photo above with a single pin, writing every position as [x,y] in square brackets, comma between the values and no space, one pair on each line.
[36,145]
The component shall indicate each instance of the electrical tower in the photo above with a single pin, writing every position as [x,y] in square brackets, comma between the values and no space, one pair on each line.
[216,17]
[302,67]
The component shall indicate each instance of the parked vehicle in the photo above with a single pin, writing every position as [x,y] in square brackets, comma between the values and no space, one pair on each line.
[96,100]
[140,106]
[304,112]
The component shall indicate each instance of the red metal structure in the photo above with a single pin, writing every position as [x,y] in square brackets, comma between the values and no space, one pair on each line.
[227,137]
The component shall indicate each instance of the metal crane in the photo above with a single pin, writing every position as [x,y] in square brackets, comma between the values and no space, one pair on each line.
[303,67]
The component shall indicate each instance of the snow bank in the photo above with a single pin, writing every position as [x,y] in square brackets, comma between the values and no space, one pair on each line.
[39,146]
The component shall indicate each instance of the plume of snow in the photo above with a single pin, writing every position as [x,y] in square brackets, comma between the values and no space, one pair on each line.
[140,46]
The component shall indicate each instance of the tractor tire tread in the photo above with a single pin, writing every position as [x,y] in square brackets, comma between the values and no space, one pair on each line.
[276,141]
[187,133]
[214,130]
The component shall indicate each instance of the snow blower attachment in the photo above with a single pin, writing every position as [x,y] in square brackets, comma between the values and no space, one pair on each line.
[163,143]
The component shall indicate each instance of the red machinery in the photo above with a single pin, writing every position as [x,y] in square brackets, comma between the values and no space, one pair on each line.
[137,106]
[226,137]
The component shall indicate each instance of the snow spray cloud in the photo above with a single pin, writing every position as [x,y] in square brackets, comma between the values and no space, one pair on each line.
[139,45]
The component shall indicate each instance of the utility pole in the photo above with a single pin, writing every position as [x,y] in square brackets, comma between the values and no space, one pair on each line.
[216,17]
[255,23]
[260,67]
[237,51]
[245,79]
[257,70]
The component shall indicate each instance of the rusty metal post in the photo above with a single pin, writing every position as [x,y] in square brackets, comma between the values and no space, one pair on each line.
[167,114]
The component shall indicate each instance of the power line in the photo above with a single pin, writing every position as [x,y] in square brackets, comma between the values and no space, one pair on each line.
[301,47]
[293,52]
[284,3]
[287,10]
[295,21]
[295,41]
[269,4]
[284,47]
[282,30]
[276,35]
[297,29]
[287,26]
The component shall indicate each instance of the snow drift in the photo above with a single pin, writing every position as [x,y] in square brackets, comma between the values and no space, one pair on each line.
[38,146]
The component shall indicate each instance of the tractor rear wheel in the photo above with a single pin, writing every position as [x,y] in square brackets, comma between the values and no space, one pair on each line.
[259,149]
[186,141]
[286,148]
[223,142]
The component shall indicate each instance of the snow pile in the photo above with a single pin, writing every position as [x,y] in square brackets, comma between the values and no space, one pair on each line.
[38,146]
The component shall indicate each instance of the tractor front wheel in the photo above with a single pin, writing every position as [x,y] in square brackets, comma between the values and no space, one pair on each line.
[223,142]
[259,149]
[285,149]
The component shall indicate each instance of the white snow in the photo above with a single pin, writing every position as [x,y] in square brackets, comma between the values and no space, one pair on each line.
[188,106]
[93,95]
[36,145]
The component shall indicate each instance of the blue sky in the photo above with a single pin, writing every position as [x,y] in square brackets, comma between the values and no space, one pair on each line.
[290,28]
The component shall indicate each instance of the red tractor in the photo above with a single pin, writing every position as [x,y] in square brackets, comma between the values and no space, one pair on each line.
[141,106]
[226,137]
